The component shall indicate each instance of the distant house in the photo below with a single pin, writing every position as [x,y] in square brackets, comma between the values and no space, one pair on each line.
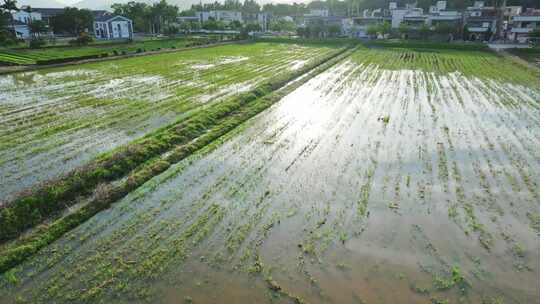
[48,13]
[481,21]
[318,13]
[370,18]
[440,16]
[113,27]
[21,20]
[224,16]
[523,24]
[26,17]
[411,15]
[262,19]
[21,29]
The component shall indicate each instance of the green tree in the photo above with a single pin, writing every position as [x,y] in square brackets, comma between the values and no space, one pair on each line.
[385,28]
[138,12]
[73,21]
[282,9]
[444,29]
[37,27]
[466,33]
[372,31]
[252,27]
[232,5]
[9,7]
[281,25]
[535,34]
[250,7]
[235,25]
[185,27]
[424,31]
[162,14]
[404,29]
[334,30]
[302,32]
[6,36]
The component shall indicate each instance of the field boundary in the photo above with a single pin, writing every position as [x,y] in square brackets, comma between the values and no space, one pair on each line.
[515,58]
[26,68]
[158,159]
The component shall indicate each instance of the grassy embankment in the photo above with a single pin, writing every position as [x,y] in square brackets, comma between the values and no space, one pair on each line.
[53,129]
[46,55]
[531,55]
[140,161]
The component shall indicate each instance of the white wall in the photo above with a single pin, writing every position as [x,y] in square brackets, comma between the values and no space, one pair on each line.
[120,29]
[25,17]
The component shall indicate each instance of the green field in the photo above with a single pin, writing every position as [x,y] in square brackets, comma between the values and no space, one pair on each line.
[387,174]
[54,120]
[22,56]
[530,55]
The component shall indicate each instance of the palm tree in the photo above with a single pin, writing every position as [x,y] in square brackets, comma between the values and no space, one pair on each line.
[10,6]
[37,27]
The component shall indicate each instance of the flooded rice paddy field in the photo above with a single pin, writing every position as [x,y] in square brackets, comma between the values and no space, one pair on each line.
[54,120]
[394,177]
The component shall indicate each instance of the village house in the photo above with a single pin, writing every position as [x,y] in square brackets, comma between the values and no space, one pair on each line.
[411,15]
[113,27]
[224,16]
[523,24]
[370,18]
[21,20]
[481,21]
[440,16]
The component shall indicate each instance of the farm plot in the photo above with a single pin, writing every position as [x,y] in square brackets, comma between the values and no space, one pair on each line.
[530,55]
[32,56]
[55,120]
[394,177]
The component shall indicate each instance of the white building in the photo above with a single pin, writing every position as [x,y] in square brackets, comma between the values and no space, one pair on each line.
[360,25]
[113,27]
[481,20]
[21,19]
[412,15]
[438,7]
[26,17]
[317,13]
[524,24]
[224,16]
[263,19]
[439,15]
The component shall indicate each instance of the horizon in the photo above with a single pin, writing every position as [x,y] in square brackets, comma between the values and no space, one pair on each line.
[100,4]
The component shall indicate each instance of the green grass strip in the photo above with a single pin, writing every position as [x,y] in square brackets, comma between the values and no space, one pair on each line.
[139,160]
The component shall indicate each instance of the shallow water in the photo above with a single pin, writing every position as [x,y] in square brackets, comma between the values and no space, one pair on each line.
[365,185]
[55,120]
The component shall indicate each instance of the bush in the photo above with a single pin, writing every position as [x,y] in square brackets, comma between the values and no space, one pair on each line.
[6,38]
[37,43]
[83,39]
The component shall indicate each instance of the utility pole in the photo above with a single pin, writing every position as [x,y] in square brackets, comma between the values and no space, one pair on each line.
[500,7]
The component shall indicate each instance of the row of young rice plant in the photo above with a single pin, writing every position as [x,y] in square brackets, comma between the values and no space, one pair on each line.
[27,56]
[416,170]
[170,144]
[55,120]
[531,55]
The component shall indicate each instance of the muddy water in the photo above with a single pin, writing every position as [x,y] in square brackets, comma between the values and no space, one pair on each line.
[54,120]
[365,185]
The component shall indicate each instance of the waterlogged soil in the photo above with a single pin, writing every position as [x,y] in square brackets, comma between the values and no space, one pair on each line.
[54,120]
[371,183]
